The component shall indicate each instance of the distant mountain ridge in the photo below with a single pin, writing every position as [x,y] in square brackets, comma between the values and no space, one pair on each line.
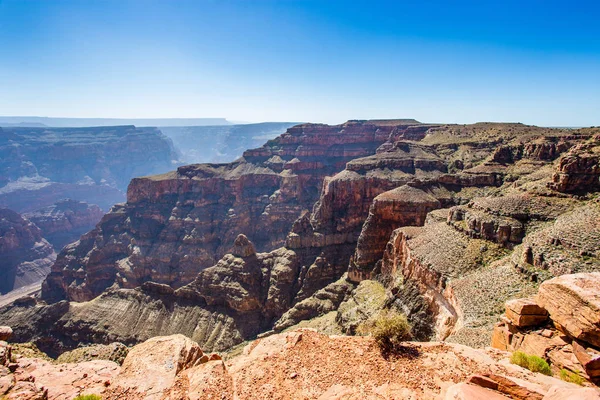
[58,122]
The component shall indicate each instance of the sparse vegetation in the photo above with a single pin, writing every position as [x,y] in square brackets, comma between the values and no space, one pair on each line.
[390,329]
[572,377]
[88,397]
[531,362]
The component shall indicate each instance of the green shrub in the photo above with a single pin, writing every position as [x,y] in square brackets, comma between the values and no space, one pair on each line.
[531,362]
[88,397]
[390,329]
[572,377]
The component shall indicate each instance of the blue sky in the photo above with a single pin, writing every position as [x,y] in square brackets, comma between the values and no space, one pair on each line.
[535,62]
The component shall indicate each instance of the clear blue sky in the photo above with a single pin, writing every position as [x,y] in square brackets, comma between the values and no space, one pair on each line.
[321,61]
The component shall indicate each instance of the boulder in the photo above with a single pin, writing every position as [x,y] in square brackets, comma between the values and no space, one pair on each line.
[573,302]
[589,359]
[539,345]
[525,312]
[5,332]
[151,367]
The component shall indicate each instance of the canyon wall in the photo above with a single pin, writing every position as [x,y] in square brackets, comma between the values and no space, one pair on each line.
[25,256]
[441,215]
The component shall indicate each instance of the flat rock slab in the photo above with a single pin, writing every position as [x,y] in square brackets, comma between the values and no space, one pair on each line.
[573,302]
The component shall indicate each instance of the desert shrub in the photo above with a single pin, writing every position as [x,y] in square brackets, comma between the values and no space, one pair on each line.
[572,377]
[531,362]
[389,328]
[88,397]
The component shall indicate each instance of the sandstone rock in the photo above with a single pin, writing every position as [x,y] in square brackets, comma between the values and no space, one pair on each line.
[467,391]
[525,313]
[66,381]
[5,333]
[589,359]
[5,354]
[539,345]
[564,294]
[561,393]
[151,367]
[26,391]
[578,171]
[206,381]
[242,247]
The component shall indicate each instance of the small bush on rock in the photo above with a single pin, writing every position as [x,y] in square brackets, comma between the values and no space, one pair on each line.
[531,362]
[88,397]
[390,329]
[572,377]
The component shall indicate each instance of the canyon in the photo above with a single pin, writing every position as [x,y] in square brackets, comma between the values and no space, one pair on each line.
[40,166]
[324,227]
[221,143]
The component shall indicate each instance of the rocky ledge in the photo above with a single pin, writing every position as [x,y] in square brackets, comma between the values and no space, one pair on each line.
[560,324]
[301,363]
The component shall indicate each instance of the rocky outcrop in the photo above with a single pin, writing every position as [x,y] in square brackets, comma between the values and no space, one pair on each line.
[25,256]
[579,170]
[478,224]
[151,367]
[35,378]
[560,325]
[306,364]
[403,206]
[286,365]
[65,221]
[40,166]
[573,302]
[115,352]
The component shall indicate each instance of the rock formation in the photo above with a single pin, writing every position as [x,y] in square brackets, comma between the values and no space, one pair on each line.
[65,221]
[560,324]
[176,224]
[25,256]
[300,363]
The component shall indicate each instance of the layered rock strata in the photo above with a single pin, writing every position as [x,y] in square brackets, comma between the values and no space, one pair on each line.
[65,221]
[176,224]
[25,256]
[164,253]
[40,166]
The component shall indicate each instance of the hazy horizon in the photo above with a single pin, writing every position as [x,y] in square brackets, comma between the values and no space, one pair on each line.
[535,63]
